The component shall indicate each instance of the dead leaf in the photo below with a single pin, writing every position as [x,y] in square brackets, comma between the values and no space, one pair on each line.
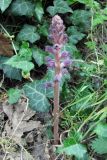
[19,120]
[18,156]
[5,46]
[41,152]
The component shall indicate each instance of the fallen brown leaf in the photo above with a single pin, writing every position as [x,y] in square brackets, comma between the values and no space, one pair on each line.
[5,46]
[19,120]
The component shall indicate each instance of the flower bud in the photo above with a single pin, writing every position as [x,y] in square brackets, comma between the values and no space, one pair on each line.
[58,77]
[65,54]
[51,64]
[47,59]
[49,49]
[67,62]
[65,38]
[57,33]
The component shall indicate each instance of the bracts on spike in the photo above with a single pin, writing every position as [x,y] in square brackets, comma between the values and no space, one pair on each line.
[59,63]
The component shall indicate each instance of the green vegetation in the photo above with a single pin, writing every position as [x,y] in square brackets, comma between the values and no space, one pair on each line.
[24,27]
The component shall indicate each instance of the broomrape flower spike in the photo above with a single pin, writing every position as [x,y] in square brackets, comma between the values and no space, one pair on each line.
[61,60]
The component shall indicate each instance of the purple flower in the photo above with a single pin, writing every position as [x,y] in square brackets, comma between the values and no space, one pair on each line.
[65,54]
[65,38]
[61,59]
[49,49]
[67,62]
[47,59]
[57,31]
[58,77]
[50,62]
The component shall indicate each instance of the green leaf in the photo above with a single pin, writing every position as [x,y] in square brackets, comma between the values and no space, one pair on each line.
[52,10]
[22,7]
[77,150]
[43,29]
[91,45]
[71,2]
[60,6]
[39,11]
[99,145]
[81,19]
[99,19]
[36,92]
[21,60]
[4,4]
[11,72]
[73,138]
[38,55]
[49,77]
[105,60]
[24,65]
[28,33]
[74,35]
[3,59]
[101,130]
[86,2]
[25,53]
[14,95]
[71,48]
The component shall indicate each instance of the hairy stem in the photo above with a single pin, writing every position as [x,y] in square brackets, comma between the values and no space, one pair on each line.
[56,100]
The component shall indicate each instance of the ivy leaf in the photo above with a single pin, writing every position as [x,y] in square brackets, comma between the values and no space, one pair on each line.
[3,59]
[24,65]
[36,92]
[49,77]
[4,4]
[9,71]
[101,130]
[81,19]
[43,29]
[21,60]
[14,95]
[70,47]
[16,63]
[28,33]
[60,6]
[86,2]
[39,11]
[74,35]
[52,10]
[77,150]
[22,7]
[38,55]
[25,52]
[99,145]
[12,73]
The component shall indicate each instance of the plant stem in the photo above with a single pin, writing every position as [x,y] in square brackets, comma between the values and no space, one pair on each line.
[56,100]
